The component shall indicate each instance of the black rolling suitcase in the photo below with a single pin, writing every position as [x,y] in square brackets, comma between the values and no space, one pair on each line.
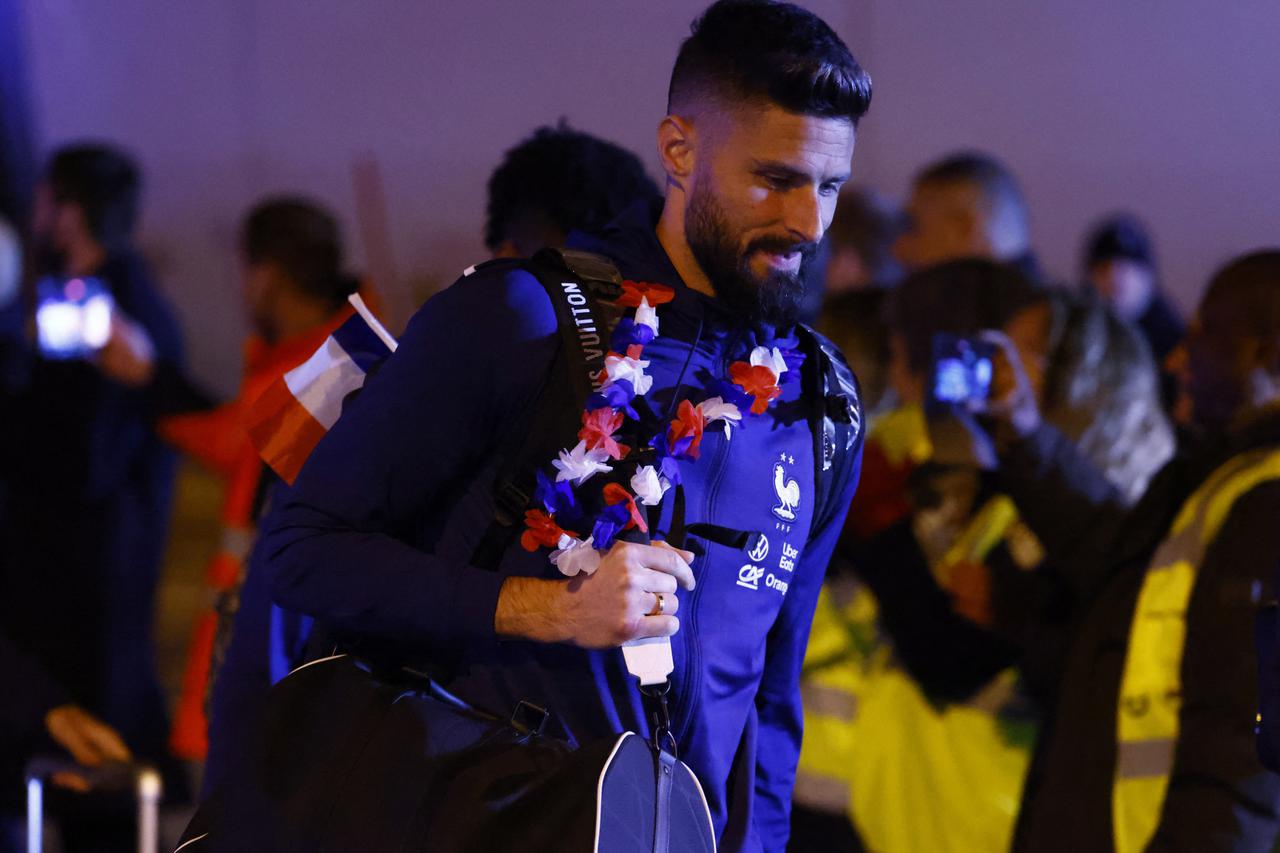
[144,781]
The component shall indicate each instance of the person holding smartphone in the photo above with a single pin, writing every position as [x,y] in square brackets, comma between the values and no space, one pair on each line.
[1149,745]
[86,482]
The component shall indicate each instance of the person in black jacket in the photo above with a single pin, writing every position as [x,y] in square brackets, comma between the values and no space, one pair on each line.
[85,484]
[1149,742]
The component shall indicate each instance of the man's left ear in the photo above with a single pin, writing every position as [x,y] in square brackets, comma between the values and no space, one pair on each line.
[677,149]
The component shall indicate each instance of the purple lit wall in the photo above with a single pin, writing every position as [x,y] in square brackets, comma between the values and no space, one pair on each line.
[1168,108]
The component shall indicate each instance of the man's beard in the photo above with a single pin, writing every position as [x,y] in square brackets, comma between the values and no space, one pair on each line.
[775,299]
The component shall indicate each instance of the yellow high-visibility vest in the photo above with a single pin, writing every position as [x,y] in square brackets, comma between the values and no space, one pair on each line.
[914,778]
[1151,687]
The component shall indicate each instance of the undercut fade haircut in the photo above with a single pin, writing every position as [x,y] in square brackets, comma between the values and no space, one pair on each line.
[759,50]
[104,182]
[304,241]
[566,179]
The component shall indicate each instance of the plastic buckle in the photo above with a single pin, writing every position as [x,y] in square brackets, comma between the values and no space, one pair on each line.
[660,718]
[528,718]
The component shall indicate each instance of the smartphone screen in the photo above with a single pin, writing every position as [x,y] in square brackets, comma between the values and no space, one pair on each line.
[962,369]
[73,316]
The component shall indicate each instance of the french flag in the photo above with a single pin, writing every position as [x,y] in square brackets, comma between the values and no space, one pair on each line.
[294,413]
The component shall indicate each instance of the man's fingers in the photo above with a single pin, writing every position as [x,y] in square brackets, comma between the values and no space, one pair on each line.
[657,626]
[654,581]
[663,603]
[81,748]
[1011,354]
[659,543]
[107,743]
[668,560]
[89,740]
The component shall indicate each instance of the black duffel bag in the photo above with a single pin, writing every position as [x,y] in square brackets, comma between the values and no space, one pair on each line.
[350,759]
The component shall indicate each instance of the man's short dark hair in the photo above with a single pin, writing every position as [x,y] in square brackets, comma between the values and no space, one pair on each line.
[303,240]
[998,192]
[972,167]
[564,178]
[759,50]
[104,182]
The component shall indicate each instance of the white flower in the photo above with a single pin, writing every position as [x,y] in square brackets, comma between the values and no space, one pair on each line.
[772,359]
[648,486]
[716,409]
[575,556]
[580,464]
[647,316]
[631,369]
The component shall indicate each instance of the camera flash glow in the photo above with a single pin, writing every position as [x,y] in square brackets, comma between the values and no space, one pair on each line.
[97,321]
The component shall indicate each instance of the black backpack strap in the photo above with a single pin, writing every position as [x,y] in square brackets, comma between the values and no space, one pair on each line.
[835,418]
[582,288]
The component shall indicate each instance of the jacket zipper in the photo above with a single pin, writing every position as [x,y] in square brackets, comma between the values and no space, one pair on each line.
[690,680]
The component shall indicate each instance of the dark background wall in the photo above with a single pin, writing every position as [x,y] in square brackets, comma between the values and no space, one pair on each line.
[1168,107]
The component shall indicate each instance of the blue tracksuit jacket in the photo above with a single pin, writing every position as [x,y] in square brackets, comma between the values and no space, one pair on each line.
[376,535]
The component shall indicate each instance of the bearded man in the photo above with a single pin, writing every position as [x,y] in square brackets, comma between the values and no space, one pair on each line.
[377,537]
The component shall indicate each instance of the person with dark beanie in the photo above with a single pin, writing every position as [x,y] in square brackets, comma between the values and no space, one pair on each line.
[1120,265]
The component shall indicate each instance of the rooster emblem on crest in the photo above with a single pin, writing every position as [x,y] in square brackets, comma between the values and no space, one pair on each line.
[788,491]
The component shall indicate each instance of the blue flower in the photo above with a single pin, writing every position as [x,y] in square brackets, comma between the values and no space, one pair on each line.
[628,333]
[618,395]
[731,393]
[557,499]
[668,454]
[609,523]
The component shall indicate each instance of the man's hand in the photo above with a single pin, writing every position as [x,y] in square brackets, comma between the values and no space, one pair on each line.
[603,610]
[1018,407]
[128,356]
[956,435]
[90,741]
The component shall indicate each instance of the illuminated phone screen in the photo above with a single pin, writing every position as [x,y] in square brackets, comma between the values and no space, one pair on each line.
[73,316]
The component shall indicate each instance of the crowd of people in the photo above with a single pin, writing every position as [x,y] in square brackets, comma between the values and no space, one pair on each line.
[1032,625]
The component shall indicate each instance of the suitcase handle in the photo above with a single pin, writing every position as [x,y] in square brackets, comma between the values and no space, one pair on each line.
[142,778]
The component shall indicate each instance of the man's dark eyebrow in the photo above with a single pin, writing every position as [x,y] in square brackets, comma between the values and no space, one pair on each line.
[775,167]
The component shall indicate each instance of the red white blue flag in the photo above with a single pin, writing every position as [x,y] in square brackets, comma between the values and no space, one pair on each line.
[294,413]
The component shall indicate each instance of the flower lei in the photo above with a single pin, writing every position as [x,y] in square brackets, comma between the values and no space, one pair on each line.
[580,524]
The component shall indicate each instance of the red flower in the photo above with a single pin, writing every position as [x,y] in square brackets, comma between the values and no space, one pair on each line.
[632,291]
[635,351]
[758,381]
[688,423]
[598,428]
[615,494]
[541,531]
